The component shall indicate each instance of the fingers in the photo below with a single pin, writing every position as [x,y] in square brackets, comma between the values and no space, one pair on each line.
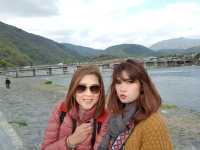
[81,132]
[85,125]
[83,129]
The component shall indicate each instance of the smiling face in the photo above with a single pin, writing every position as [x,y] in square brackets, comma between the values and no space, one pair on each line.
[127,89]
[87,92]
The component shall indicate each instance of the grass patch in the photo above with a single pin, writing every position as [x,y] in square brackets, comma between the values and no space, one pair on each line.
[48,82]
[19,123]
[168,106]
[50,86]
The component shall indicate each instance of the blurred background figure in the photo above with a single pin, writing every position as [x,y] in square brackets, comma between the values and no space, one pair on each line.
[7,82]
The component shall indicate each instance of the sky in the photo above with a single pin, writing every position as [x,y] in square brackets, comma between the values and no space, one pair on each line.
[103,23]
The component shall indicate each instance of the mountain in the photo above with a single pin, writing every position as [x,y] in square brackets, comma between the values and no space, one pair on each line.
[177,43]
[30,48]
[193,49]
[83,51]
[170,51]
[10,55]
[18,48]
[113,52]
[126,50]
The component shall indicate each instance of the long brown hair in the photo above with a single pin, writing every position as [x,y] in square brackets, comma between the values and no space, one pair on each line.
[149,99]
[78,75]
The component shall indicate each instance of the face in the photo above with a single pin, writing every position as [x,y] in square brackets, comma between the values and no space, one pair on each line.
[127,89]
[87,92]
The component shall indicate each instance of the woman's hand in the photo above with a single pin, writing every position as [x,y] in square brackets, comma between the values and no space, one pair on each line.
[80,134]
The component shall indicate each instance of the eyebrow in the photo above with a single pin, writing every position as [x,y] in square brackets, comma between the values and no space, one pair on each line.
[123,79]
[89,84]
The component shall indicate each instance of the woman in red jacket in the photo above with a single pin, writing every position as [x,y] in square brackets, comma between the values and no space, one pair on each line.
[79,121]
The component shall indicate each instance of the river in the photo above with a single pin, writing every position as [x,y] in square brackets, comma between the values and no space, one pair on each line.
[177,85]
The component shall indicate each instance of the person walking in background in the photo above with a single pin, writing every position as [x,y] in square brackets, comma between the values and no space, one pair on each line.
[7,83]
[135,122]
[80,120]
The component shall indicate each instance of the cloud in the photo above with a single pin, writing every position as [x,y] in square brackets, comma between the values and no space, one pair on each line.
[146,27]
[100,24]
[175,20]
[28,8]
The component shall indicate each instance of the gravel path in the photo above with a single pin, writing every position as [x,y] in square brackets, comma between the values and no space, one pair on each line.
[8,137]
[28,103]
[184,126]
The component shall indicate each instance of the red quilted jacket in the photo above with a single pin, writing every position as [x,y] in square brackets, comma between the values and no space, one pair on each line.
[55,134]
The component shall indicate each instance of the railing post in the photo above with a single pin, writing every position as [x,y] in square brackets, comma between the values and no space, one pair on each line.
[64,69]
[34,72]
[50,71]
[17,73]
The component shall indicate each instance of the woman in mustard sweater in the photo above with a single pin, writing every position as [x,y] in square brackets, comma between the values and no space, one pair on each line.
[135,122]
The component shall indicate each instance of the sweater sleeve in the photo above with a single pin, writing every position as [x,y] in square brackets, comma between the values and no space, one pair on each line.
[155,134]
[51,139]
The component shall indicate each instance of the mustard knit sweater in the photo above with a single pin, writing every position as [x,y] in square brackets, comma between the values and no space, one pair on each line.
[150,134]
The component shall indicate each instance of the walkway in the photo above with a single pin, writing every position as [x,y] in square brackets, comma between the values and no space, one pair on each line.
[8,136]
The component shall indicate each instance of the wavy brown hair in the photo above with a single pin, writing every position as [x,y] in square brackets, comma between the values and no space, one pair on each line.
[78,75]
[149,99]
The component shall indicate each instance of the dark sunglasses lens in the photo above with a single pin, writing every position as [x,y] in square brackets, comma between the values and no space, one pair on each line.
[80,88]
[95,89]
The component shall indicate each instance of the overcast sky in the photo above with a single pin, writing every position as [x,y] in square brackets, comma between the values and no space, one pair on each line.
[103,23]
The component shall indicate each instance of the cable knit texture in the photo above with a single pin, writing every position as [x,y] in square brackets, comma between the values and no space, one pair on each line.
[55,135]
[150,134]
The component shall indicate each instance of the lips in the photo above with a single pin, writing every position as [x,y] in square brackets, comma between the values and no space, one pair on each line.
[87,99]
[122,96]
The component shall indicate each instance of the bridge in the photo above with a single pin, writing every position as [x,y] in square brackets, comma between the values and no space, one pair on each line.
[59,69]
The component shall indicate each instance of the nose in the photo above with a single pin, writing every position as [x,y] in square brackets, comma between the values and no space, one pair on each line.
[122,87]
[88,92]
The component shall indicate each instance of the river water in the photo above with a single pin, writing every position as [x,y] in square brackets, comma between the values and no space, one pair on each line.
[177,85]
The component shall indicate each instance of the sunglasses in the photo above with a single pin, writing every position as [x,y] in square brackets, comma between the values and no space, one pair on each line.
[94,89]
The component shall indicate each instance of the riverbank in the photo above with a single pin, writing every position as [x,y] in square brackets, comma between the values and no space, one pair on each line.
[184,127]
[28,103]
[26,106]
